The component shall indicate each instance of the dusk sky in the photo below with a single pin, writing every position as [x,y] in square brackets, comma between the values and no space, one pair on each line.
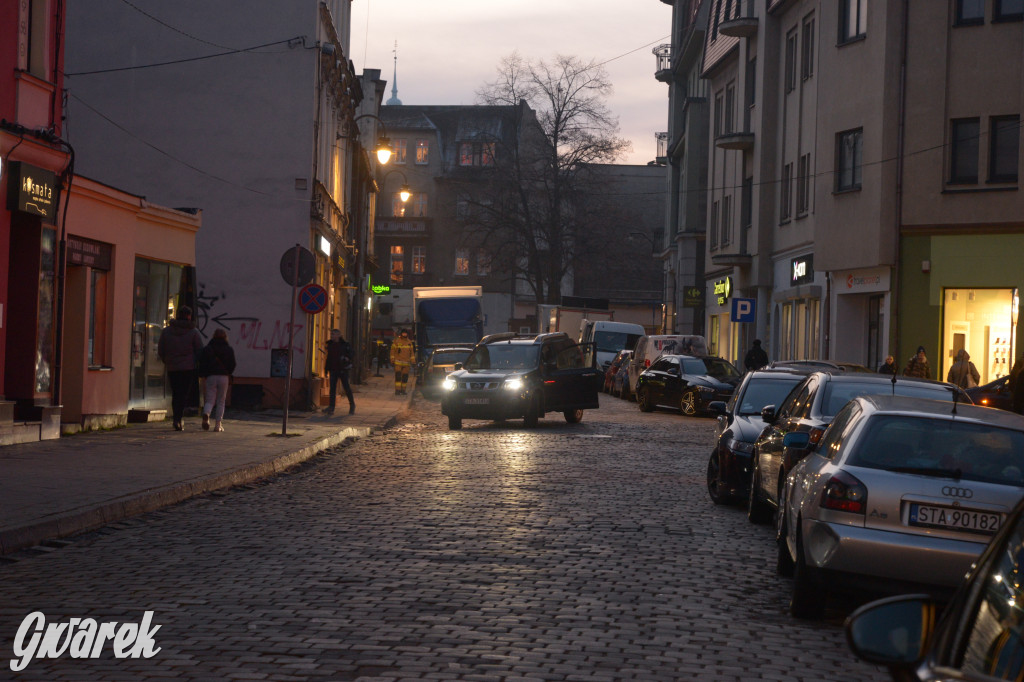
[448,49]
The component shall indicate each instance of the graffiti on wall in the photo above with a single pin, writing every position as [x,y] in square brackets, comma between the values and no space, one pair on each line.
[252,333]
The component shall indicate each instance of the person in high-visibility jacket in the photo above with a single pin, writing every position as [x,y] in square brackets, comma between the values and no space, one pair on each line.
[402,355]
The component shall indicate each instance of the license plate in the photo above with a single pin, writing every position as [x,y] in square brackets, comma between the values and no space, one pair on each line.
[954,519]
[477,401]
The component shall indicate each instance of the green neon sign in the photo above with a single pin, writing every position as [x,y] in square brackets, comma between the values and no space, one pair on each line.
[381,289]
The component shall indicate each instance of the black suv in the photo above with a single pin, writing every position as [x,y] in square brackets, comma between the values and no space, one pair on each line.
[509,376]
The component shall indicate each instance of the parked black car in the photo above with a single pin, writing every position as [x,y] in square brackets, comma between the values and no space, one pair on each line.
[440,364]
[686,382]
[820,366]
[617,363]
[739,425]
[509,376]
[993,394]
[979,635]
[810,407]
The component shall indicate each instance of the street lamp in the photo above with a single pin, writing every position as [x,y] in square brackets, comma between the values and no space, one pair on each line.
[383,149]
[404,192]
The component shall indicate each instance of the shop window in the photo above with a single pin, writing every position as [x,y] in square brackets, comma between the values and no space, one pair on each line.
[397,265]
[160,289]
[963,166]
[982,322]
[419,260]
[1004,149]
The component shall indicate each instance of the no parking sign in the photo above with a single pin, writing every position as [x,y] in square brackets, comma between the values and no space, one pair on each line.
[312,298]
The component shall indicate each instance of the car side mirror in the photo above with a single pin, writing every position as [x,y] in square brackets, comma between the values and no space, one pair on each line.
[458,365]
[768,415]
[799,440]
[892,632]
[718,407]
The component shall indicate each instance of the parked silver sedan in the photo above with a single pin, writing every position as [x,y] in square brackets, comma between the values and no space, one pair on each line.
[900,492]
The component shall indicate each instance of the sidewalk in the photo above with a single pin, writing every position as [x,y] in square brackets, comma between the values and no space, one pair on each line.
[55,488]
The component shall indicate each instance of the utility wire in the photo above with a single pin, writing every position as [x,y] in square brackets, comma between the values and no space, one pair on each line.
[173,28]
[626,54]
[289,41]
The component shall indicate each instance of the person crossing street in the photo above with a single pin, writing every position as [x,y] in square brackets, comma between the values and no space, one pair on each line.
[402,354]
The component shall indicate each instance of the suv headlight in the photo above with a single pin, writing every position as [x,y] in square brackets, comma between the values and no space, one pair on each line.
[449,384]
[515,384]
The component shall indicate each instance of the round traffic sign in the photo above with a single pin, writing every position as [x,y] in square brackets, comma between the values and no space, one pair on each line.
[312,298]
[306,266]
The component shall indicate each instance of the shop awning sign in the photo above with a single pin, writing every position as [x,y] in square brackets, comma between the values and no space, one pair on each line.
[32,190]
[723,290]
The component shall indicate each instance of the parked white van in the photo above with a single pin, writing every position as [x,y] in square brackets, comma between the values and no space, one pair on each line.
[650,348]
[609,338]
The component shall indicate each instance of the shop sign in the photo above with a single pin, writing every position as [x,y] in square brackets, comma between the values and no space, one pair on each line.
[32,190]
[693,297]
[723,290]
[82,251]
[401,226]
[865,281]
[381,289]
[802,270]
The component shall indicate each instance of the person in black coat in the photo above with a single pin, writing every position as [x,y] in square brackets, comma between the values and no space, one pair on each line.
[338,365]
[889,367]
[756,357]
[216,364]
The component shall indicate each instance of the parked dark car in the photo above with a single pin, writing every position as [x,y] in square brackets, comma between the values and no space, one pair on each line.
[979,634]
[819,366]
[620,381]
[440,364]
[901,492]
[614,368]
[686,382]
[810,407]
[738,426]
[509,376]
[993,394]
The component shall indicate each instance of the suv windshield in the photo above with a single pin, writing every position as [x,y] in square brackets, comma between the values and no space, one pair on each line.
[612,342]
[503,356]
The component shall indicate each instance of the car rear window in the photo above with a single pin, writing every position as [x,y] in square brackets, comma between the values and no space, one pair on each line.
[942,447]
[765,392]
[838,393]
[503,356]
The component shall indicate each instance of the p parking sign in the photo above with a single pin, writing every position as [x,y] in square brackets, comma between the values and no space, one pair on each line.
[743,310]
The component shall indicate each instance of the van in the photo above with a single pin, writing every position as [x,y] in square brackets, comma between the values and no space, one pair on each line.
[649,348]
[609,338]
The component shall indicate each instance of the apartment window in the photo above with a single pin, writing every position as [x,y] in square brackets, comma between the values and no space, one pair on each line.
[419,204]
[791,61]
[1008,10]
[1005,149]
[726,220]
[397,264]
[422,152]
[716,13]
[399,150]
[397,205]
[461,261]
[713,232]
[476,154]
[719,113]
[970,12]
[483,262]
[98,321]
[462,207]
[853,19]
[419,260]
[33,39]
[803,185]
[728,125]
[849,153]
[807,49]
[785,199]
[963,166]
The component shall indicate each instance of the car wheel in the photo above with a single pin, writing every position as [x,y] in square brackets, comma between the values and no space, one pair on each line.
[643,399]
[783,561]
[532,415]
[689,403]
[454,423]
[808,593]
[715,480]
[573,416]
[757,510]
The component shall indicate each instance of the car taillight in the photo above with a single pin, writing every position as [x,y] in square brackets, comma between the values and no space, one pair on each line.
[647,363]
[845,493]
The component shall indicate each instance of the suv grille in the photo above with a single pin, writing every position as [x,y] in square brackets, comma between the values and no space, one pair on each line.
[479,385]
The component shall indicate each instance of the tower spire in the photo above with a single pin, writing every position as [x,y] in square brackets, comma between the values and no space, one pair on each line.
[394,82]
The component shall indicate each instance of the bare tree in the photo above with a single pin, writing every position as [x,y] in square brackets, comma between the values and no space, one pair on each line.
[538,204]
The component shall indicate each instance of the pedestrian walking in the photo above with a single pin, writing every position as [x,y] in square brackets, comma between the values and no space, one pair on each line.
[402,354]
[918,365]
[178,348]
[216,365]
[756,357]
[962,372]
[889,367]
[339,366]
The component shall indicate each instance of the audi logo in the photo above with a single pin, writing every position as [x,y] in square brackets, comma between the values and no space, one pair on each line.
[965,493]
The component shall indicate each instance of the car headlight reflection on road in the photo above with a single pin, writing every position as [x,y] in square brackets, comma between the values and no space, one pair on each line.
[448,384]
[513,384]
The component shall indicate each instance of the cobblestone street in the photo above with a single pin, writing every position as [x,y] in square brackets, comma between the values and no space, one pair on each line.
[568,552]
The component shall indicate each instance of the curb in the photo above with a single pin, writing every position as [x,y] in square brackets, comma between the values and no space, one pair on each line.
[91,518]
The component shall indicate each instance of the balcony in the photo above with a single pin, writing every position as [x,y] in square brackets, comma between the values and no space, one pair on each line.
[663,53]
[740,27]
[737,141]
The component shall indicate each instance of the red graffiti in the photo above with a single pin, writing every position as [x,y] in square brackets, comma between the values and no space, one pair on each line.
[250,335]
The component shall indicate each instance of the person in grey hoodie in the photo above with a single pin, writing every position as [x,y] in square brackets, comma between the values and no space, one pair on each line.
[180,345]
[963,373]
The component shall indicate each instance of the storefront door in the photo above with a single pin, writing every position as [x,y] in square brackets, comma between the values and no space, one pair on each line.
[984,323]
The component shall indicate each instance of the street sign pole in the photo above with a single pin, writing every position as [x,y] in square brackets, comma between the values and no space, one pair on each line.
[291,342]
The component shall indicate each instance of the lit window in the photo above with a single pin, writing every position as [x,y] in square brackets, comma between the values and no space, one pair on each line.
[419,204]
[461,261]
[850,147]
[963,166]
[397,205]
[397,264]
[476,153]
[487,154]
[399,149]
[465,153]
[419,260]
[483,262]
[422,152]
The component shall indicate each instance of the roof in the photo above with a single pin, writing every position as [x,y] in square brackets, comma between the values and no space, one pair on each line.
[942,409]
